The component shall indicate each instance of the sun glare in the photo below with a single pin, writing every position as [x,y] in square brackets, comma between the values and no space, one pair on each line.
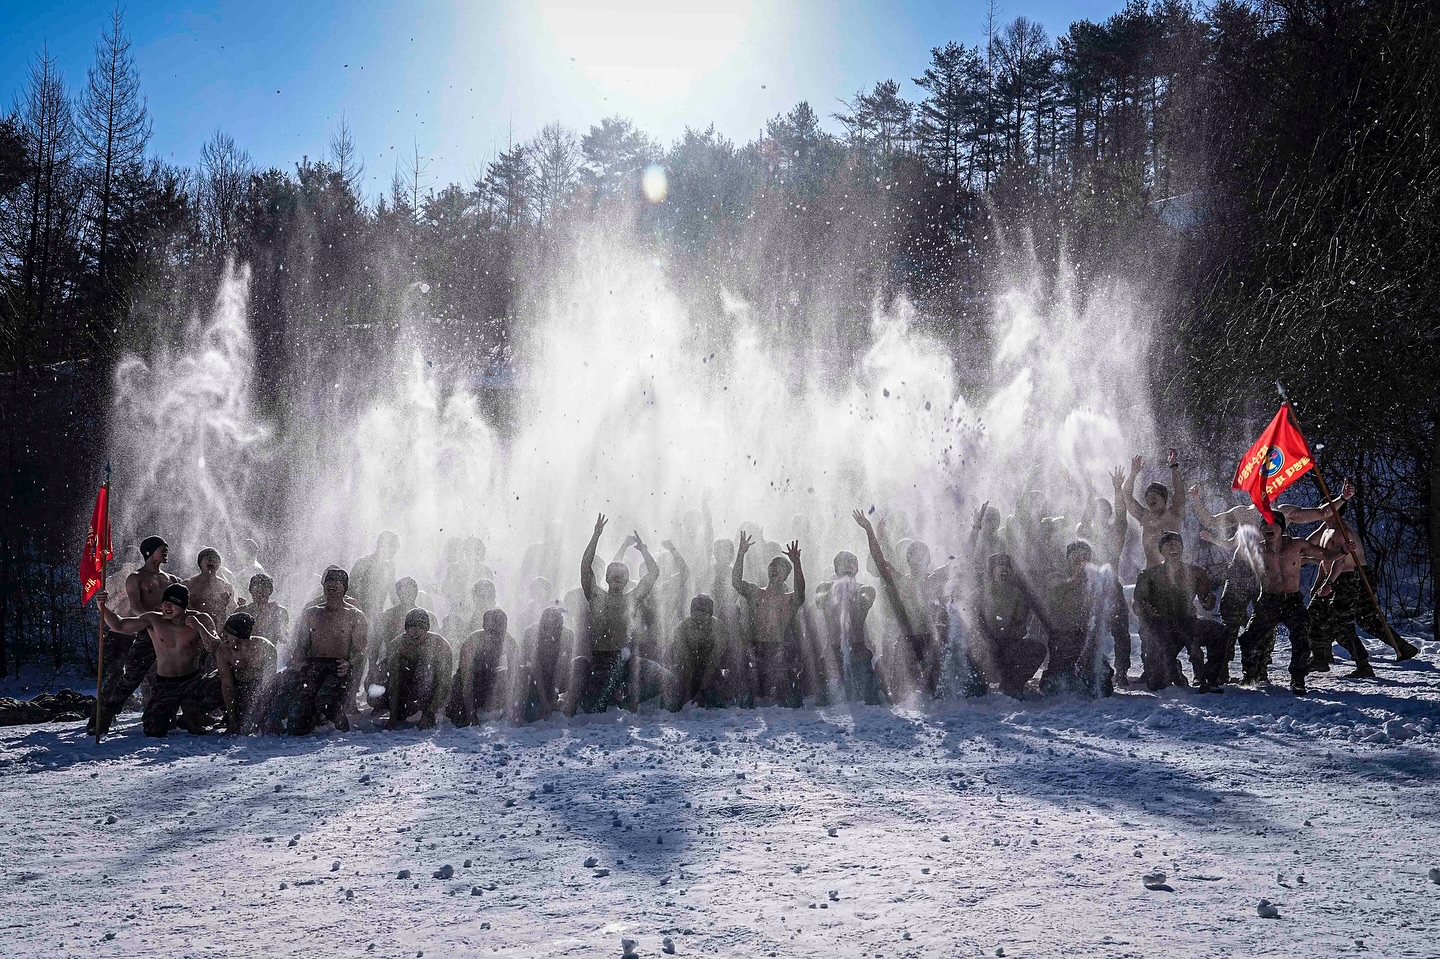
[653,53]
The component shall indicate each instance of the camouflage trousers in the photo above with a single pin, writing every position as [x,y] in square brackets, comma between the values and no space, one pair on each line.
[1333,619]
[1257,640]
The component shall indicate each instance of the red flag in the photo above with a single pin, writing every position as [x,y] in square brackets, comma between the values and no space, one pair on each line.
[97,547]
[1278,458]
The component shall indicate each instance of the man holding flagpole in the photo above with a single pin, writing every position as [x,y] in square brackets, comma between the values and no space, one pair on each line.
[1279,602]
[1275,461]
[144,588]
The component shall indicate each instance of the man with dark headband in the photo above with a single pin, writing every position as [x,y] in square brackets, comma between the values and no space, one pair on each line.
[328,657]
[1281,558]
[420,664]
[1160,512]
[477,688]
[179,637]
[384,633]
[699,650]
[144,590]
[245,663]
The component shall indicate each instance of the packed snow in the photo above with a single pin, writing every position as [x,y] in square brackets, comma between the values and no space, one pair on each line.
[1248,824]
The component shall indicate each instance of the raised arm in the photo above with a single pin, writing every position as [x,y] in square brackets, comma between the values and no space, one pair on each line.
[682,574]
[1315,514]
[682,568]
[652,570]
[978,525]
[587,561]
[737,572]
[707,520]
[1177,480]
[793,552]
[882,566]
[1128,500]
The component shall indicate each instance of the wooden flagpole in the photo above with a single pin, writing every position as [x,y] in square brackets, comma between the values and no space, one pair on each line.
[100,648]
[1403,650]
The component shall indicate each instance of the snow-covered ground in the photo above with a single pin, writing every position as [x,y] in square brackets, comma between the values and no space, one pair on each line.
[987,828]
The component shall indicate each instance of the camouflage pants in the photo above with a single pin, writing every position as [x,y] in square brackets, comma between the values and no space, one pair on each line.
[1234,612]
[1257,641]
[1333,619]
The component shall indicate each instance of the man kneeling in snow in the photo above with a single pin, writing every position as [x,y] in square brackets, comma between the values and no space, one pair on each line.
[181,638]
[1168,624]
[246,667]
[420,665]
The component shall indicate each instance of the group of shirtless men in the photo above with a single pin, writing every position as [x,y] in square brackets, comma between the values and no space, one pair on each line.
[1017,598]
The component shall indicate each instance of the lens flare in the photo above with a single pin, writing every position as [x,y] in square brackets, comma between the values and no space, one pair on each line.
[655,184]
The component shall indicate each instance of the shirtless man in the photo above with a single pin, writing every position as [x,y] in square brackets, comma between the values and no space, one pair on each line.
[386,630]
[1163,599]
[271,619]
[1074,663]
[144,590]
[913,596]
[210,593]
[328,657]
[1246,513]
[1280,602]
[772,611]
[1005,652]
[548,643]
[845,605]
[1161,511]
[374,573]
[612,670]
[1337,602]
[179,638]
[700,652]
[479,686]
[245,663]
[420,665]
[1105,530]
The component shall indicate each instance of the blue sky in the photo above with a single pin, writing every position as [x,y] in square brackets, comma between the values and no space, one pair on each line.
[462,78]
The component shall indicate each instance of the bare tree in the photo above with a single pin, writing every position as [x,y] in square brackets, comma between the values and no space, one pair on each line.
[51,191]
[412,178]
[346,158]
[225,171]
[555,153]
[114,128]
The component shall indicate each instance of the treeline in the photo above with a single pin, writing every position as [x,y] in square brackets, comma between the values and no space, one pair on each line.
[1268,171]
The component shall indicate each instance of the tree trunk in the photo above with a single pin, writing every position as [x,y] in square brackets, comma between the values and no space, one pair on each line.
[1432,520]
